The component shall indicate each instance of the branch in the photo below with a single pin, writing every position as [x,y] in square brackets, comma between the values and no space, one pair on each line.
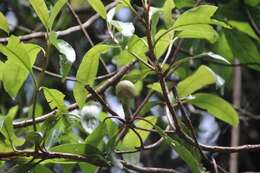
[54,155]
[147,169]
[100,89]
[63,32]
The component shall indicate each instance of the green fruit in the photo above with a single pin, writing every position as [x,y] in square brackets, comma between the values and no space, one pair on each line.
[125,91]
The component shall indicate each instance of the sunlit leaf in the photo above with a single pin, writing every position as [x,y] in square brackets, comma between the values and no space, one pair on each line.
[87,72]
[3,23]
[42,11]
[99,7]
[204,76]
[55,11]
[55,98]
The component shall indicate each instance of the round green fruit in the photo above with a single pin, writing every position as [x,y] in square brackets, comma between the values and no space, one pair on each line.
[125,91]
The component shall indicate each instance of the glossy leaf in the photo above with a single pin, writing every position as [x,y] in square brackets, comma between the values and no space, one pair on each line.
[55,11]
[156,87]
[42,11]
[55,98]
[1,70]
[202,77]
[87,168]
[99,7]
[217,107]
[3,23]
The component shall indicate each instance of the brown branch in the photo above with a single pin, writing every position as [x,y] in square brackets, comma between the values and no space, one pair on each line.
[63,32]
[100,89]
[147,169]
[86,34]
[54,155]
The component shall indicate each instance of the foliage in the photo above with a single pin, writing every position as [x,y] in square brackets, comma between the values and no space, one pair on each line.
[169,49]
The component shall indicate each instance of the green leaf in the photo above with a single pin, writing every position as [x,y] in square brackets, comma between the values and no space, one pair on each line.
[15,51]
[252,3]
[244,27]
[55,11]
[156,87]
[131,141]
[15,74]
[41,169]
[87,168]
[97,135]
[243,48]
[8,129]
[184,153]
[87,72]
[81,149]
[167,10]
[55,98]
[163,42]
[198,15]
[200,31]
[99,7]
[184,3]
[127,29]
[1,70]
[42,11]
[3,23]
[217,107]
[202,77]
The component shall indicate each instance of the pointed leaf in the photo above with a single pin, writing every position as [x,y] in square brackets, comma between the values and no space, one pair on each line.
[202,77]
[87,72]
[217,107]
[55,11]
[41,10]
[99,7]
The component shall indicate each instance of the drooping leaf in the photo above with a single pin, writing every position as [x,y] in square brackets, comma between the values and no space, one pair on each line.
[55,11]
[87,72]
[1,70]
[202,77]
[217,107]
[131,141]
[55,98]
[99,7]
[42,11]
[3,23]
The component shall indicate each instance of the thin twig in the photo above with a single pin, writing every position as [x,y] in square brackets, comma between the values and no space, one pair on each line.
[63,32]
